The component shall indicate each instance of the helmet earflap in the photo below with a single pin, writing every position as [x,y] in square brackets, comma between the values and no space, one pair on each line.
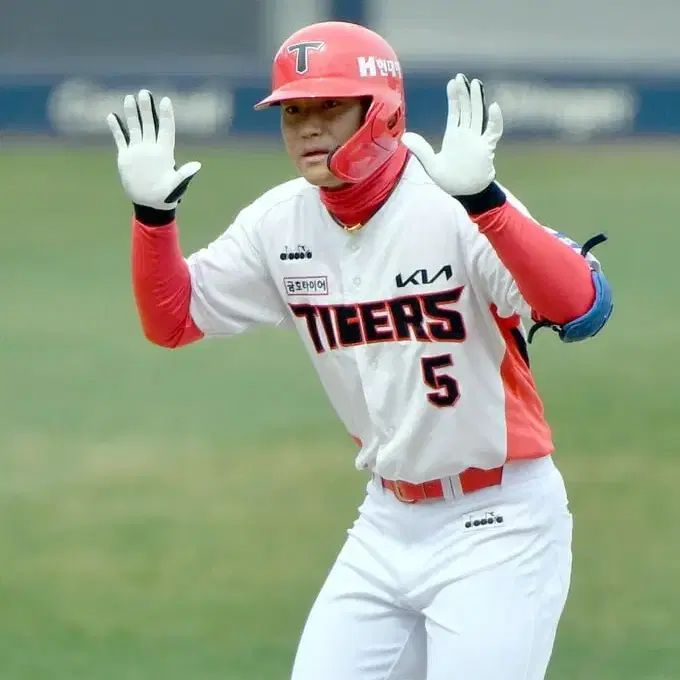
[372,145]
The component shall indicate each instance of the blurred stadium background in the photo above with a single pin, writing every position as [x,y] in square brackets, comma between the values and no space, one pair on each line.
[172,514]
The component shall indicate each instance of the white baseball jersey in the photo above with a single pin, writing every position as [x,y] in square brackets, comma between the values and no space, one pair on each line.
[412,323]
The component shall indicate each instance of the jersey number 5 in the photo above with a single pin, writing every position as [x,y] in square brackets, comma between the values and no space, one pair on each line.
[445,390]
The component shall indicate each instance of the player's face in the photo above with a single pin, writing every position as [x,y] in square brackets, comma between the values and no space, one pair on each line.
[312,128]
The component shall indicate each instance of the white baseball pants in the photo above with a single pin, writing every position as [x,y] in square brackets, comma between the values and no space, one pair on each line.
[419,592]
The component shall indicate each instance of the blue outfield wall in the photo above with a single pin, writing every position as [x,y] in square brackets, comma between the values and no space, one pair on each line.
[568,106]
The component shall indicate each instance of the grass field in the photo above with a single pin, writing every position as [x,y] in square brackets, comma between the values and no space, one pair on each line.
[166,515]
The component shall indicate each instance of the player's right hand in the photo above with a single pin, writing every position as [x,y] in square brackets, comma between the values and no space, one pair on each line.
[146,152]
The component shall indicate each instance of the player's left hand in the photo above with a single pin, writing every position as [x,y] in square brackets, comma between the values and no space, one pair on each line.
[465,164]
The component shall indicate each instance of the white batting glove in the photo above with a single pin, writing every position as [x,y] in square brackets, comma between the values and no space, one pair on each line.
[465,164]
[146,153]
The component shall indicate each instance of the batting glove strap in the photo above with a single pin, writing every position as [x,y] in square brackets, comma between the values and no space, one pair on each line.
[488,199]
[152,217]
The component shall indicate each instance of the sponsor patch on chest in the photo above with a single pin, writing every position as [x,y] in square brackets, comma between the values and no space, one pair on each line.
[306,285]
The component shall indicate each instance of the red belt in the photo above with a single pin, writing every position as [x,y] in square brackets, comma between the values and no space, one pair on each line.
[472,479]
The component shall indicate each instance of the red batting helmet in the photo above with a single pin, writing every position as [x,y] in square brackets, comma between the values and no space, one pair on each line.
[337,59]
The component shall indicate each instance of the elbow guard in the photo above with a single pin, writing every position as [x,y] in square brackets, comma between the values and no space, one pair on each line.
[594,320]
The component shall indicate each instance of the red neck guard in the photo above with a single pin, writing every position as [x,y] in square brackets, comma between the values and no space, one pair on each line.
[354,204]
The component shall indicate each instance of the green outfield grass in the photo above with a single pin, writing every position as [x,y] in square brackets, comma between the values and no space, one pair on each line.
[166,515]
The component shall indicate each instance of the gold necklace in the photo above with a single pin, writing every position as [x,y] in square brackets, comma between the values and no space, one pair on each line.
[351,230]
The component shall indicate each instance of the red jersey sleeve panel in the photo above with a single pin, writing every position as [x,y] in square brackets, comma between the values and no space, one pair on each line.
[553,279]
[161,285]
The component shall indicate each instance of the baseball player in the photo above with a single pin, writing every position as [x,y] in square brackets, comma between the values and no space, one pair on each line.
[408,275]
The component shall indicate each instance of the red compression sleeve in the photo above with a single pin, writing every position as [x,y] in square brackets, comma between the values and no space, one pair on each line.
[554,279]
[161,284]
